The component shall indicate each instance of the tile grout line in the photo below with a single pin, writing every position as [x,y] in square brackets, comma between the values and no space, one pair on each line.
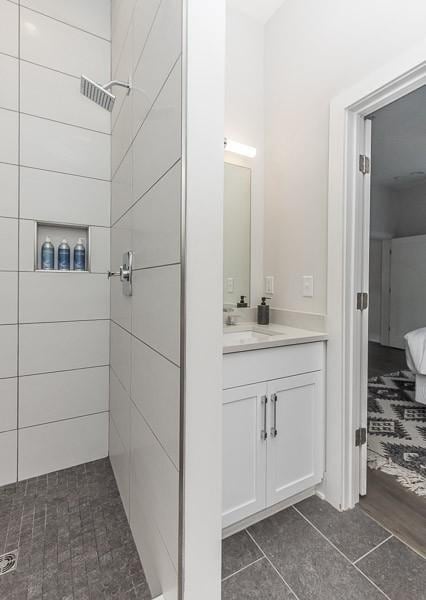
[243,568]
[273,566]
[340,552]
[372,549]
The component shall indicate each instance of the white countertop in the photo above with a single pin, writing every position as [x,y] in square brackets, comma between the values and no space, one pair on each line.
[251,336]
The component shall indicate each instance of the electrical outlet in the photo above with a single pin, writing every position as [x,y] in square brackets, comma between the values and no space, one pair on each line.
[230,285]
[269,285]
[308,286]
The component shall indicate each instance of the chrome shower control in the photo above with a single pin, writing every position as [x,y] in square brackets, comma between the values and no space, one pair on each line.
[125,273]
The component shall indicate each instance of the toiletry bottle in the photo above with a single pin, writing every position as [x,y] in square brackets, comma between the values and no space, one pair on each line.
[242,303]
[64,256]
[47,255]
[79,256]
[263,312]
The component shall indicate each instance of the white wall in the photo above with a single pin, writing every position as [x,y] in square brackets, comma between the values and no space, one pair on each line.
[54,166]
[411,210]
[145,330]
[314,50]
[244,119]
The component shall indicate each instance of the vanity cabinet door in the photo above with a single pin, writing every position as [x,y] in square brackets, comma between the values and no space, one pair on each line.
[296,440]
[244,452]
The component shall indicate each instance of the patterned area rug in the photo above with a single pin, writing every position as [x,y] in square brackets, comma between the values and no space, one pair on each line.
[397,430]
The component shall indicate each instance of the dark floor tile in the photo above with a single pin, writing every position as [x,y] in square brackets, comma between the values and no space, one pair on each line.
[258,582]
[397,570]
[310,565]
[352,531]
[238,551]
[54,520]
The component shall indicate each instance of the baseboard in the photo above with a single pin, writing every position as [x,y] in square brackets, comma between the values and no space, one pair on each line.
[268,512]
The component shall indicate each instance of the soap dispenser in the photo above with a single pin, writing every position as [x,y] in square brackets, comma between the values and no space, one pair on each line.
[263,312]
[242,303]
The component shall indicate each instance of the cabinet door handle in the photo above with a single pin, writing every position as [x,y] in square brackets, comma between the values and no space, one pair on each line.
[264,433]
[274,431]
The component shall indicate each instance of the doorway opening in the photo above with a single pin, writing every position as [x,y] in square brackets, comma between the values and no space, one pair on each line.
[393,488]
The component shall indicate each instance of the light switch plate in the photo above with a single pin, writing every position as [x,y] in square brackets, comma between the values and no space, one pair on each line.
[308,286]
[230,285]
[269,285]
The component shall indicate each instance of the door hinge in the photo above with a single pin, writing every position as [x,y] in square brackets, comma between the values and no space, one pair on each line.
[360,436]
[361,301]
[364,164]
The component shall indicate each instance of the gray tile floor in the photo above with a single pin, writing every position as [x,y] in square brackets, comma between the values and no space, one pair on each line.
[73,538]
[313,552]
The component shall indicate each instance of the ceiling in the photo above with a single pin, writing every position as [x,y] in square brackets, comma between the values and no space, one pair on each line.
[399,141]
[262,10]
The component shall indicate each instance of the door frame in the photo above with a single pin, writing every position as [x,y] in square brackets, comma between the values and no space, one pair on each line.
[403,75]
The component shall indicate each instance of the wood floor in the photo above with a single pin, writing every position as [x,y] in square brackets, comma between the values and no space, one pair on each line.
[387,501]
[397,509]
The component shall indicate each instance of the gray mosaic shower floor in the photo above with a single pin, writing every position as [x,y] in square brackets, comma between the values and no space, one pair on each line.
[73,538]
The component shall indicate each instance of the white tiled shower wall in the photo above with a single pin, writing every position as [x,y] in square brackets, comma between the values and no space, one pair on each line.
[145,329]
[54,166]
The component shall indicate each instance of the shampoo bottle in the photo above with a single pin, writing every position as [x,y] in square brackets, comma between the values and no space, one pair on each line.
[64,256]
[79,256]
[47,255]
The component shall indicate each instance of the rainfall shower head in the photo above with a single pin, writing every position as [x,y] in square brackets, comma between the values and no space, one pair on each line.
[100,93]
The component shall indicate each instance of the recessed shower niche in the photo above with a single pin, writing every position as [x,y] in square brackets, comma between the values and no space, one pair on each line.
[57,233]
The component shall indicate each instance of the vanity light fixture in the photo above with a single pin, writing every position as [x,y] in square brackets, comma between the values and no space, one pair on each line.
[237,148]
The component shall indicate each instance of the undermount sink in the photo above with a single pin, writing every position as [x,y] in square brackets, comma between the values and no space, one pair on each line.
[233,338]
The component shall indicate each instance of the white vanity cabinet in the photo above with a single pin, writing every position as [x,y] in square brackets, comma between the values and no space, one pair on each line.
[273,429]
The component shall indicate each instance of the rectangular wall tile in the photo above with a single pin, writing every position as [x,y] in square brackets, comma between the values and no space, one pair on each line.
[122,133]
[8,404]
[50,43]
[27,250]
[48,297]
[8,244]
[156,314]
[158,144]
[120,460]
[8,350]
[64,198]
[9,22]
[9,190]
[156,392]
[48,347]
[122,187]
[64,148]
[121,354]
[120,409]
[9,136]
[8,445]
[99,249]
[143,18]
[157,480]
[121,240]
[8,298]
[160,53]
[63,444]
[64,395]
[122,17]
[156,223]
[53,95]
[121,305]
[93,16]
[9,69]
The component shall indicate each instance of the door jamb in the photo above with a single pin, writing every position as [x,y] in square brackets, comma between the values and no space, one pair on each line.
[404,75]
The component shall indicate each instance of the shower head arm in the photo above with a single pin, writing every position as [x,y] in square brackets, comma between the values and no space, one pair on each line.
[115,82]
